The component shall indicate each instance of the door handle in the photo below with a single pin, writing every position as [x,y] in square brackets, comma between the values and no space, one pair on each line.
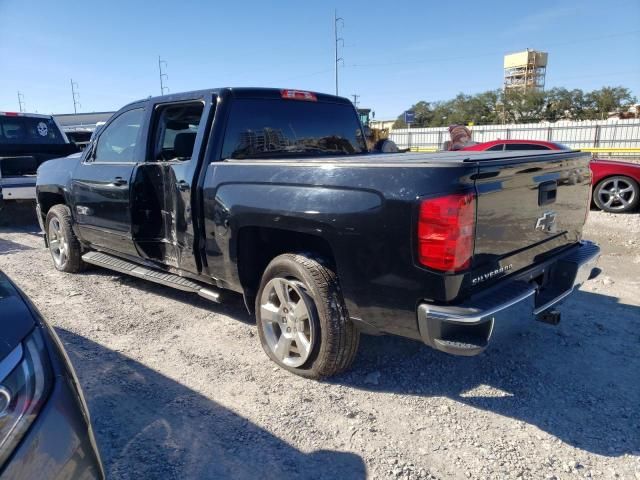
[183,186]
[119,182]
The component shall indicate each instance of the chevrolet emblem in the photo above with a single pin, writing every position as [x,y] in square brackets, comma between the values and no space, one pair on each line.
[547,222]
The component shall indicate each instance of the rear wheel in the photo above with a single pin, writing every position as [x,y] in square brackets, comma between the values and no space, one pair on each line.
[617,194]
[302,320]
[64,246]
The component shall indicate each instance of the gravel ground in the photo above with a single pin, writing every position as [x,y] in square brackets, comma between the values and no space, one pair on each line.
[180,388]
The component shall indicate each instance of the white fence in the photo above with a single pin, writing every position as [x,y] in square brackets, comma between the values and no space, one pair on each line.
[592,134]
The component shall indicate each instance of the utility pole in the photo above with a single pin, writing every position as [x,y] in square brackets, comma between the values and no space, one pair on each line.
[21,102]
[75,95]
[355,99]
[163,76]
[336,40]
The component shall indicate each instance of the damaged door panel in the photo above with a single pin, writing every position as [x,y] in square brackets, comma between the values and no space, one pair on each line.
[162,219]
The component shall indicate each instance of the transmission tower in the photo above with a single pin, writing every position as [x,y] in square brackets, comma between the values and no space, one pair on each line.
[75,95]
[336,39]
[163,76]
[21,102]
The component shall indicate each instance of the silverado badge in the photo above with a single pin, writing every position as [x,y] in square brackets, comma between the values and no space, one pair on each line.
[547,222]
[492,274]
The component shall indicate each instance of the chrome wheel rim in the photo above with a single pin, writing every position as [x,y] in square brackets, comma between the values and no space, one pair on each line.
[58,243]
[616,194]
[286,321]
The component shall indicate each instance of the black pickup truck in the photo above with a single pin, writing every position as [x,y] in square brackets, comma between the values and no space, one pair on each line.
[273,194]
[26,141]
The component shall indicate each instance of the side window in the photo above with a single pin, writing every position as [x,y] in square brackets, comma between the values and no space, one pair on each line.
[118,140]
[175,131]
[498,147]
[526,146]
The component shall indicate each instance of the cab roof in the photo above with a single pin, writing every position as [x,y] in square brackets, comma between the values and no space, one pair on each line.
[240,92]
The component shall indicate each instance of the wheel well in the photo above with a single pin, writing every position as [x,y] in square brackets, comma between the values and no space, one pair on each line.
[615,175]
[46,200]
[257,246]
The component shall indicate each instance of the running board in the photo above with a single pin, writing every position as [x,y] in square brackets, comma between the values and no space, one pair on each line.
[157,276]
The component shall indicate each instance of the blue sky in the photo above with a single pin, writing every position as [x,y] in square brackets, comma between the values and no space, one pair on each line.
[395,53]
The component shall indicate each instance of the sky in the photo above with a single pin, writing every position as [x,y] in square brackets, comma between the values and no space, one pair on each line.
[395,53]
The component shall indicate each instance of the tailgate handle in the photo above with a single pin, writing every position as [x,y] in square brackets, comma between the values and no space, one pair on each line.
[547,192]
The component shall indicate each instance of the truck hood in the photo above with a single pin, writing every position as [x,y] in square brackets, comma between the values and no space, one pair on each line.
[58,168]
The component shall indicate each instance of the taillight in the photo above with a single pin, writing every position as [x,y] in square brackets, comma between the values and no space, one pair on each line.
[299,95]
[446,230]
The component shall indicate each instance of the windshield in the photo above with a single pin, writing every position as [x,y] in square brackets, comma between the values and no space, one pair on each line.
[29,130]
[264,128]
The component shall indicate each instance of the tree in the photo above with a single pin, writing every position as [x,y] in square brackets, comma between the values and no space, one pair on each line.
[423,116]
[563,104]
[608,99]
[523,107]
[516,106]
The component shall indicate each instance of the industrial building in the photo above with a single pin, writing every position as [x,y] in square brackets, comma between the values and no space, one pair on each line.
[525,70]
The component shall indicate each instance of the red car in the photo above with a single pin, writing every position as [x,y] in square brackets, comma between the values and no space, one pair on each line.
[616,184]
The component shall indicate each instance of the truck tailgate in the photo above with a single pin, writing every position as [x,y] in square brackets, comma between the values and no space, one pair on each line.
[528,208]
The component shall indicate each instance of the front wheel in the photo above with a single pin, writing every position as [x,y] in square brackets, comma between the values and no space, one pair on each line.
[302,321]
[64,246]
[617,194]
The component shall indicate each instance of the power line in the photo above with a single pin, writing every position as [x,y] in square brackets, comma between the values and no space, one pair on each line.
[163,76]
[75,95]
[355,99]
[21,102]
[487,53]
[336,40]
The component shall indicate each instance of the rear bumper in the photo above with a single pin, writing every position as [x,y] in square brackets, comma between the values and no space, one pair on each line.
[465,329]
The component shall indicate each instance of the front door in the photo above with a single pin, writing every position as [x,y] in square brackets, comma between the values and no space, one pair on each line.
[101,184]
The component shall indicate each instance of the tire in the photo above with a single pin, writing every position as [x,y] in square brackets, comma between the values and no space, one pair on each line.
[321,340]
[618,194]
[64,246]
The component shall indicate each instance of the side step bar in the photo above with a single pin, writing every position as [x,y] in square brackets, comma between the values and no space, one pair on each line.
[168,279]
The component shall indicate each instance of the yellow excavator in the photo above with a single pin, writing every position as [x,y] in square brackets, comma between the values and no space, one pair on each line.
[374,135]
[377,138]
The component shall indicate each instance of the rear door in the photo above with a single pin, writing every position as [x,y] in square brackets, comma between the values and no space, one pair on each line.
[101,183]
[529,207]
[164,185]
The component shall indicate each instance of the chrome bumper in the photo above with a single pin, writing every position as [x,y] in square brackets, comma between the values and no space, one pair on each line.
[466,329]
[18,188]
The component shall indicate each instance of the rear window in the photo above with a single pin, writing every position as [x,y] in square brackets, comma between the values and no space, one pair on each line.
[264,128]
[526,146]
[29,130]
